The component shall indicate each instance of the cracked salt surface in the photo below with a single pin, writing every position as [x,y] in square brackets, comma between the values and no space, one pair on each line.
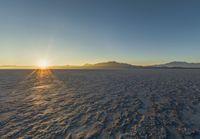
[141,103]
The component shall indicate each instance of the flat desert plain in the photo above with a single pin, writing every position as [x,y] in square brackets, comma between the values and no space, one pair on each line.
[100,104]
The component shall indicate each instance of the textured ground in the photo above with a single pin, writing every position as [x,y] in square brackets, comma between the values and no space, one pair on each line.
[142,103]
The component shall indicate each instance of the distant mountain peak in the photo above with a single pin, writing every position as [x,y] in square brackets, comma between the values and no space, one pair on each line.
[181,64]
[175,62]
[110,65]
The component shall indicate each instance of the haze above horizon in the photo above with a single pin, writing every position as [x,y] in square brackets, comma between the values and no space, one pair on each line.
[71,32]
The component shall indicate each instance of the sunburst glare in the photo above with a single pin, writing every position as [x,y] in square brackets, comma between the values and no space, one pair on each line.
[43,64]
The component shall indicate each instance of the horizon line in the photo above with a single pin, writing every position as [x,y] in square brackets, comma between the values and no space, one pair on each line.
[12,66]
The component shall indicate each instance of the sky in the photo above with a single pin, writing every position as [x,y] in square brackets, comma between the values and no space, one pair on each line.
[75,32]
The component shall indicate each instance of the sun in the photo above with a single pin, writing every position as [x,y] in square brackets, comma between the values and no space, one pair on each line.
[43,64]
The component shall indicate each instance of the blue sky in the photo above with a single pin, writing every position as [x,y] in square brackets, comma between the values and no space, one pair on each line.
[76,32]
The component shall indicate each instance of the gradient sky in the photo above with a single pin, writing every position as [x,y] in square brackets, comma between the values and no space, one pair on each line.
[89,31]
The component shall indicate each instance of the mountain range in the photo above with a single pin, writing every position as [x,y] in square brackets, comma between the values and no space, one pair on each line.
[112,65]
[118,65]
[179,64]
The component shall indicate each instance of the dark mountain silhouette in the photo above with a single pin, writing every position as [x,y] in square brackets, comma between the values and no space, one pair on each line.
[180,64]
[110,65]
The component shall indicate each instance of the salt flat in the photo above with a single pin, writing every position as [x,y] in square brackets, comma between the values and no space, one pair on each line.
[140,103]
